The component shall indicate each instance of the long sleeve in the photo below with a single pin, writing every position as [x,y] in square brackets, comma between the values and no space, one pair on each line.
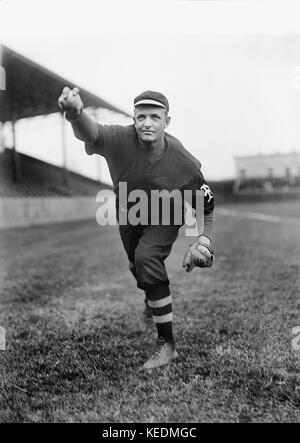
[209,221]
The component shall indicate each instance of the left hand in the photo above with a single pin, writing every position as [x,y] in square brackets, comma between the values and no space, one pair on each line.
[199,254]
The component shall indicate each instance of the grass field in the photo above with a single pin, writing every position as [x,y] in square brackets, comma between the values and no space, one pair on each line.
[76,336]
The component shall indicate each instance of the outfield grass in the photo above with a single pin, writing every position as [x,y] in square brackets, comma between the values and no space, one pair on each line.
[76,337]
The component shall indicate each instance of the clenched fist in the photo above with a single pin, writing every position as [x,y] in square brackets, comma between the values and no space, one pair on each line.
[70,102]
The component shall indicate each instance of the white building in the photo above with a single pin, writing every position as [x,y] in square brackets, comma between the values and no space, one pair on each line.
[268,166]
[267,169]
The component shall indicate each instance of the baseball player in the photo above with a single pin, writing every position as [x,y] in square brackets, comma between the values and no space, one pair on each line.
[147,158]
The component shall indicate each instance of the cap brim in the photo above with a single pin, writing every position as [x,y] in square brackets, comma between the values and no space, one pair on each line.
[150,102]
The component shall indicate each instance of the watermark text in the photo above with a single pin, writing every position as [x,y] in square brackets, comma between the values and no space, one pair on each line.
[156,207]
[2,339]
[2,79]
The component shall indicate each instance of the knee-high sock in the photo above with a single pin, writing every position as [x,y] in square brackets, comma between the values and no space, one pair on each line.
[160,302]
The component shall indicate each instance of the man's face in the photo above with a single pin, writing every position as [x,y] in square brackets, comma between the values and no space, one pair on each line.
[150,122]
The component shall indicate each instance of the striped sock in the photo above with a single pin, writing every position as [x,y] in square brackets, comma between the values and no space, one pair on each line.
[160,302]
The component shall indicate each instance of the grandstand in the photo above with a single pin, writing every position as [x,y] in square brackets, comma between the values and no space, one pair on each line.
[33,191]
[40,179]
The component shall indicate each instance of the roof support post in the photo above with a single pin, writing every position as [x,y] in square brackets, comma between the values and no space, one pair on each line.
[64,151]
[98,158]
[16,163]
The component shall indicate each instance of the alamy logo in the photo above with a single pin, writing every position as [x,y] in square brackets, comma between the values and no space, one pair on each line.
[2,339]
[158,207]
[2,79]
[296,78]
[296,339]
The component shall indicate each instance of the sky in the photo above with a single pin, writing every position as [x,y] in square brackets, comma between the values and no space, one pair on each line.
[229,68]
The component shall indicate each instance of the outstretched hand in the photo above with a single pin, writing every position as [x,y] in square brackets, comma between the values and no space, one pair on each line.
[70,100]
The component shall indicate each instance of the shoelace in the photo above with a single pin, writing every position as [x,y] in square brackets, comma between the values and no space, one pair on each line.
[159,345]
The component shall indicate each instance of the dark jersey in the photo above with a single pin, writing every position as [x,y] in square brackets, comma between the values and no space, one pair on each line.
[176,169]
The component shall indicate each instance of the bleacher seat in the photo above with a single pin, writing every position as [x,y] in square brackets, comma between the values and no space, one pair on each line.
[268,185]
[40,179]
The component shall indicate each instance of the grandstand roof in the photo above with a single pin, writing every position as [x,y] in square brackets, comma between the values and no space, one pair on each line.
[33,90]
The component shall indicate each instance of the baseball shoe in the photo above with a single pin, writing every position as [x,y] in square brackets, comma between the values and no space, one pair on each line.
[147,310]
[163,354]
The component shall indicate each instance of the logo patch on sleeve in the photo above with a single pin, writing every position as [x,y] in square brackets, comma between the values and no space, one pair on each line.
[207,192]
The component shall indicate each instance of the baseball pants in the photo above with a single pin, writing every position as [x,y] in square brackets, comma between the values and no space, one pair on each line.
[147,247]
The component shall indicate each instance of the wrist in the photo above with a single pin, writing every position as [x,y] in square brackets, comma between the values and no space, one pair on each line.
[205,240]
[73,114]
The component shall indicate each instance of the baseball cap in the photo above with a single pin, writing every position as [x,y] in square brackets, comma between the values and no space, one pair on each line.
[152,98]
